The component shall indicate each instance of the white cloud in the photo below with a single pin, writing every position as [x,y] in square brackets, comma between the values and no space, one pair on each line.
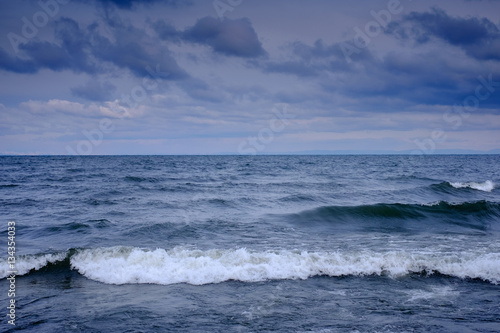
[107,109]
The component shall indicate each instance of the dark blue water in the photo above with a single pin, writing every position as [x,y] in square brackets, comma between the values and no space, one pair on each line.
[253,244]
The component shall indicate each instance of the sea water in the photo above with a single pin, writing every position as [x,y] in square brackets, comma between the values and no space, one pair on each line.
[253,243]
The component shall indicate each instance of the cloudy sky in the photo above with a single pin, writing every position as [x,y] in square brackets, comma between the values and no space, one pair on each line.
[248,76]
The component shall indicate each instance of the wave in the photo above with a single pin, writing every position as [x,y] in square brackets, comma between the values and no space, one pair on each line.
[476,215]
[299,198]
[8,185]
[99,202]
[131,265]
[461,187]
[79,226]
[28,263]
[486,186]
[138,179]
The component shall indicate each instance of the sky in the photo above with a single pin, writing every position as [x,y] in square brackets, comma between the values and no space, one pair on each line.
[97,77]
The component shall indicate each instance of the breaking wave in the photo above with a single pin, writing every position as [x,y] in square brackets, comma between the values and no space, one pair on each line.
[486,186]
[132,265]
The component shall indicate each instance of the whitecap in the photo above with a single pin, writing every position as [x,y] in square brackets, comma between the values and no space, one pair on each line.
[124,265]
[486,186]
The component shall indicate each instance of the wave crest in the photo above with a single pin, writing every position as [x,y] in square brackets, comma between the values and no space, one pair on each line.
[477,215]
[486,186]
[122,265]
[131,265]
[26,263]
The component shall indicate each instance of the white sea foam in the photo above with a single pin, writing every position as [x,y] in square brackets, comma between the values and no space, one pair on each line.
[445,292]
[120,265]
[486,186]
[26,263]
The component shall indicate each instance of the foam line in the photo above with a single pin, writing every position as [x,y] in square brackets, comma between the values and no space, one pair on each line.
[120,265]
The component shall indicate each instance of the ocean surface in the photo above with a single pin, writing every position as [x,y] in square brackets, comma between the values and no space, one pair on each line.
[253,243]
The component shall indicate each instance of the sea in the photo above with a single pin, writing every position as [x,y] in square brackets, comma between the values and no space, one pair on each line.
[382,243]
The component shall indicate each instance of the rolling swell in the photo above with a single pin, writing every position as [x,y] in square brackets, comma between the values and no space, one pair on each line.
[8,185]
[476,215]
[131,265]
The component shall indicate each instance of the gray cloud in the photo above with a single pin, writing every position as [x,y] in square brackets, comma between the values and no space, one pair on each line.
[228,37]
[479,37]
[127,52]
[95,90]
[167,31]
[200,90]
[79,50]
[424,76]
[14,64]
[309,61]
[226,74]
[130,4]
[291,67]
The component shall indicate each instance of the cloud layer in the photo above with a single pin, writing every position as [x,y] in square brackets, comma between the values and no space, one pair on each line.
[177,77]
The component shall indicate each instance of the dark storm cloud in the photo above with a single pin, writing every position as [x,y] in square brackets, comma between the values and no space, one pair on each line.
[228,37]
[423,77]
[127,51]
[76,43]
[129,4]
[413,79]
[85,49]
[380,80]
[95,90]
[70,53]
[48,55]
[427,78]
[14,64]
[479,37]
